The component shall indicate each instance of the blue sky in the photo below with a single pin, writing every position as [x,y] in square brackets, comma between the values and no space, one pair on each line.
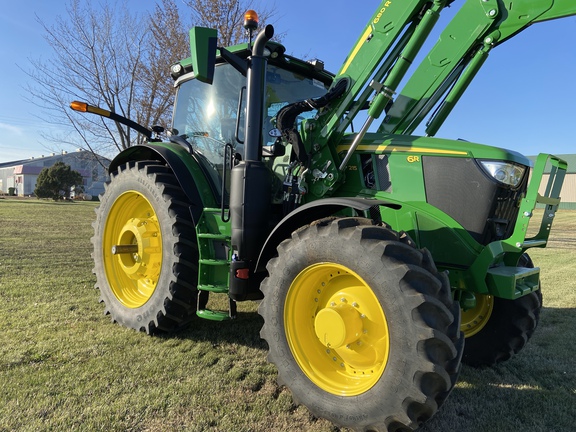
[523,99]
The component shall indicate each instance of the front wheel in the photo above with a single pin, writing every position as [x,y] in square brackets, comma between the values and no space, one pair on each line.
[496,329]
[361,326]
[145,253]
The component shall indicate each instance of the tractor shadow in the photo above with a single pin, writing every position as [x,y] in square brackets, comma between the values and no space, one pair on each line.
[534,391]
[243,330]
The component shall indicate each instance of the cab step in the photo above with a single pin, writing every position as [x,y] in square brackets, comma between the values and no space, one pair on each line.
[213,265]
[218,289]
[213,315]
[213,262]
[211,236]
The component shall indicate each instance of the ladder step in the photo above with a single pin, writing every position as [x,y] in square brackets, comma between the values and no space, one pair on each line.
[219,289]
[212,262]
[212,210]
[213,236]
[213,315]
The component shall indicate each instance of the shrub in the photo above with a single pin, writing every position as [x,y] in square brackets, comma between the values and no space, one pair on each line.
[55,182]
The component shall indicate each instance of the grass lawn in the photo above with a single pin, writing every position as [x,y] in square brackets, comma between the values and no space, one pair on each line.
[65,366]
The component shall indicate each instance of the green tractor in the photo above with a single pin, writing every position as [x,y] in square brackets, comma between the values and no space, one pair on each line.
[382,260]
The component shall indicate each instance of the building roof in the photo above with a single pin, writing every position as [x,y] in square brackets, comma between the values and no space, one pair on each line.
[13,163]
[25,166]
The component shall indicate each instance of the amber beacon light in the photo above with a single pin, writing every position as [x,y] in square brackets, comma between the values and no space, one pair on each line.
[251,20]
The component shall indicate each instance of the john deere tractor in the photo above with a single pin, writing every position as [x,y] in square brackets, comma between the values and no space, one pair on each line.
[382,260]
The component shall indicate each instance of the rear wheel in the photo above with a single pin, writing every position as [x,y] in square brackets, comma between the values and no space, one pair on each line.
[361,326]
[145,251]
[496,329]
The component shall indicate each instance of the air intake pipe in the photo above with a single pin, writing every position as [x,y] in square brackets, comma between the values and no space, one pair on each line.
[250,182]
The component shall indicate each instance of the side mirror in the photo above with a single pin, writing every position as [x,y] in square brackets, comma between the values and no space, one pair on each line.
[203,43]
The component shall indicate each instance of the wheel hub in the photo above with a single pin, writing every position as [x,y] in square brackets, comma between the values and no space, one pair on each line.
[146,261]
[132,249]
[337,326]
[336,329]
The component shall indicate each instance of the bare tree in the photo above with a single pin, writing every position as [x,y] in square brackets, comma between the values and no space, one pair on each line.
[227,16]
[97,58]
[168,43]
[112,57]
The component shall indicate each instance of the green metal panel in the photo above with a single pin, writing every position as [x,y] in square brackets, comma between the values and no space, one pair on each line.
[203,49]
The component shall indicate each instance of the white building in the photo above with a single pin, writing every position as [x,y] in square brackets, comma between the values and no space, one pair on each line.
[19,177]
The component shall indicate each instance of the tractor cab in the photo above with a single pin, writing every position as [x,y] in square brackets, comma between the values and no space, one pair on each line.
[211,116]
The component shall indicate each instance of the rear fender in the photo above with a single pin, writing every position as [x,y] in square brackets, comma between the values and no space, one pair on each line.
[195,183]
[310,212]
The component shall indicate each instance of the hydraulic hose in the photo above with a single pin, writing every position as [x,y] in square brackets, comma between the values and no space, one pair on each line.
[286,117]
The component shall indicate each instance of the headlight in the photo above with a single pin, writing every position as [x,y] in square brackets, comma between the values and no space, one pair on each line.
[504,172]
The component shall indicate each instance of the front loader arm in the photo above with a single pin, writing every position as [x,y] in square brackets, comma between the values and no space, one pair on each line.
[381,57]
[391,29]
[459,54]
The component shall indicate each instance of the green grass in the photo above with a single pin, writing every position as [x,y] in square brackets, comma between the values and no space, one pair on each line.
[65,366]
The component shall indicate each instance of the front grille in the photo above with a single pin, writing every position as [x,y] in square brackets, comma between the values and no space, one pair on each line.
[460,188]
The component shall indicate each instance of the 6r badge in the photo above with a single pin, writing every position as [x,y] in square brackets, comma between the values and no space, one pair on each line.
[412,159]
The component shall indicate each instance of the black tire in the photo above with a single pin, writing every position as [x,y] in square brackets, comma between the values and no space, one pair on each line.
[352,258]
[155,288]
[509,326]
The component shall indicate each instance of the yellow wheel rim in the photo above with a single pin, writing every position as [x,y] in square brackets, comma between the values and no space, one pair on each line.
[132,275]
[474,320]
[336,329]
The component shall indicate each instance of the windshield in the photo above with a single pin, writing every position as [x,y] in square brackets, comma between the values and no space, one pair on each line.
[206,115]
